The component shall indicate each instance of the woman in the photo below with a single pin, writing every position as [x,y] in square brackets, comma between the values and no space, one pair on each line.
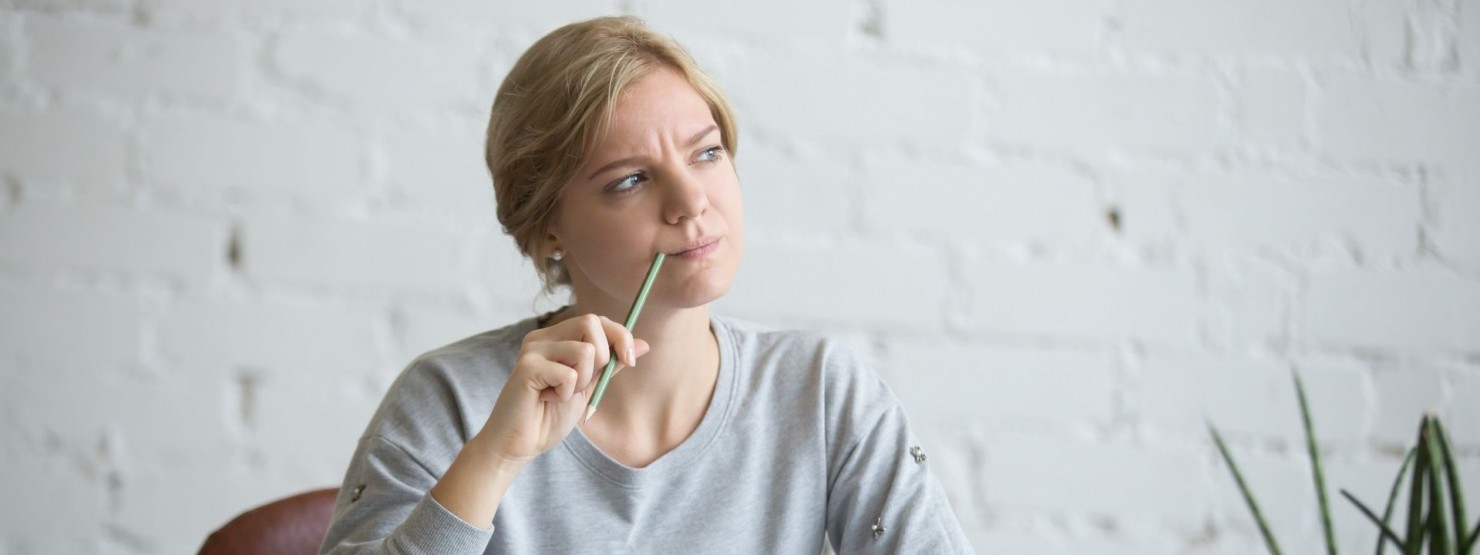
[607,145]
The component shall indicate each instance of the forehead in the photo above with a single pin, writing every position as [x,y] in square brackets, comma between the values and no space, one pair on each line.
[661,101]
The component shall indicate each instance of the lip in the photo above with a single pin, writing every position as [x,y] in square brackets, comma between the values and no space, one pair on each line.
[698,248]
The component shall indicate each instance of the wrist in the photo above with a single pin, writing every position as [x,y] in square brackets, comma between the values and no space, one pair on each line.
[496,459]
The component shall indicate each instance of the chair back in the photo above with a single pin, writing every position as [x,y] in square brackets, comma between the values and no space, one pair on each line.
[290,526]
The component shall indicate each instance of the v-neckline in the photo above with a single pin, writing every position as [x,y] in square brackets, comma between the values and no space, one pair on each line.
[714,419]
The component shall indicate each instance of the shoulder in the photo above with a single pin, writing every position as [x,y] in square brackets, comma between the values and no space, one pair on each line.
[817,350]
[449,385]
[832,376]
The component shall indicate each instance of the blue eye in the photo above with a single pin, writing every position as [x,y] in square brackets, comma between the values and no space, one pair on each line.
[626,184]
[711,154]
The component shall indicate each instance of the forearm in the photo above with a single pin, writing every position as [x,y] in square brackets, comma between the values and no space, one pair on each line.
[474,485]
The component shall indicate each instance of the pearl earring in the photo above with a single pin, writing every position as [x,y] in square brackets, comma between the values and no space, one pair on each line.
[557,255]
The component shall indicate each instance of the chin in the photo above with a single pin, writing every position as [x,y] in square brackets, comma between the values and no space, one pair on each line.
[699,291]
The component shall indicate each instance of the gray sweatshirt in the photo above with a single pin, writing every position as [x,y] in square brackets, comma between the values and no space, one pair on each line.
[799,438]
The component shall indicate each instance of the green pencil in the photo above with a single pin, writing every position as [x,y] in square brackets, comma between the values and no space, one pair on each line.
[611,363]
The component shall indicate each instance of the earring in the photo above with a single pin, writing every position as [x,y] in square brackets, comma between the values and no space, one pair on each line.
[556,255]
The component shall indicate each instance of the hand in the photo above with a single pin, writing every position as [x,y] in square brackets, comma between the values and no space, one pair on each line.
[551,382]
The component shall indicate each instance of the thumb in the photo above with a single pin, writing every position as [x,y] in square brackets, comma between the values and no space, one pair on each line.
[639,348]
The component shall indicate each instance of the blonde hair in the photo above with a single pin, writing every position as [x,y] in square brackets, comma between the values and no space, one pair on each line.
[553,107]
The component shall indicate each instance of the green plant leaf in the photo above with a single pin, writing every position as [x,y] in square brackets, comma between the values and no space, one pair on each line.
[1383,532]
[1238,477]
[1413,540]
[1438,525]
[1387,511]
[1315,465]
[1474,533]
[1462,541]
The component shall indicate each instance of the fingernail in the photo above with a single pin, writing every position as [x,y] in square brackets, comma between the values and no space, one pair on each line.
[631,356]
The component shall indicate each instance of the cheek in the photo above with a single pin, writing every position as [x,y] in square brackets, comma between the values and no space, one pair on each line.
[731,203]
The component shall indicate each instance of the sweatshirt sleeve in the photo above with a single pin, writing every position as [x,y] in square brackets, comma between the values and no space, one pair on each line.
[385,506]
[882,497]
[385,503]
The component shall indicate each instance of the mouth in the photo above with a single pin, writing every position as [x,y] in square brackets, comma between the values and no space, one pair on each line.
[697,248]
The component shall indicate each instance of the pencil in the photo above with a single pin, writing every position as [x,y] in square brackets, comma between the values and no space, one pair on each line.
[611,363]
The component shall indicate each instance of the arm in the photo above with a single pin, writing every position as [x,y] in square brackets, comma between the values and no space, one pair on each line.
[394,502]
[884,499]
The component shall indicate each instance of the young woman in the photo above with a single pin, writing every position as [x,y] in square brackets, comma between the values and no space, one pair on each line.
[608,145]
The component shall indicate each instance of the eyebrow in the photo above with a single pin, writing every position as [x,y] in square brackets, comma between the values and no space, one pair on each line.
[631,159]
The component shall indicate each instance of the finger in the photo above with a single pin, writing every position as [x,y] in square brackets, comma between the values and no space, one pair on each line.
[641,348]
[551,380]
[589,328]
[621,339]
[576,355]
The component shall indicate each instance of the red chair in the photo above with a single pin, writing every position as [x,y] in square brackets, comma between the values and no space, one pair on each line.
[289,526]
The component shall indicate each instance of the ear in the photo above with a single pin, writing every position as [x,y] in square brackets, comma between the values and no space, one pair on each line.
[552,243]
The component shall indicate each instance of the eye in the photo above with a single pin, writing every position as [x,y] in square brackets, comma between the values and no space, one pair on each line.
[711,154]
[626,184]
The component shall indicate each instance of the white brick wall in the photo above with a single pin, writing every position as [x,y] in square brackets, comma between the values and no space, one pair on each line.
[1067,233]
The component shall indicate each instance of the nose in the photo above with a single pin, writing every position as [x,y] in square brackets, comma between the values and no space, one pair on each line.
[686,198]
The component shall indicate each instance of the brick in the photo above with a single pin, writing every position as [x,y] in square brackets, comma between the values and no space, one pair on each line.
[149,419]
[1089,113]
[1271,108]
[1462,417]
[384,73]
[104,421]
[535,18]
[1404,395]
[1251,213]
[10,47]
[1250,302]
[59,6]
[264,10]
[67,512]
[1415,309]
[181,245]
[1181,395]
[1042,542]
[994,27]
[504,275]
[420,328]
[214,337]
[966,385]
[1310,29]
[849,283]
[794,192]
[823,22]
[1018,468]
[1282,486]
[1455,233]
[1432,37]
[205,497]
[1468,38]
[45,147]
[320,440]
[1383,27]
[102,57]
[1371,119]
[299,159]
[98,330]
[378,258]
[1012,203]
[911,103]
[441,168]
[1157,305]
